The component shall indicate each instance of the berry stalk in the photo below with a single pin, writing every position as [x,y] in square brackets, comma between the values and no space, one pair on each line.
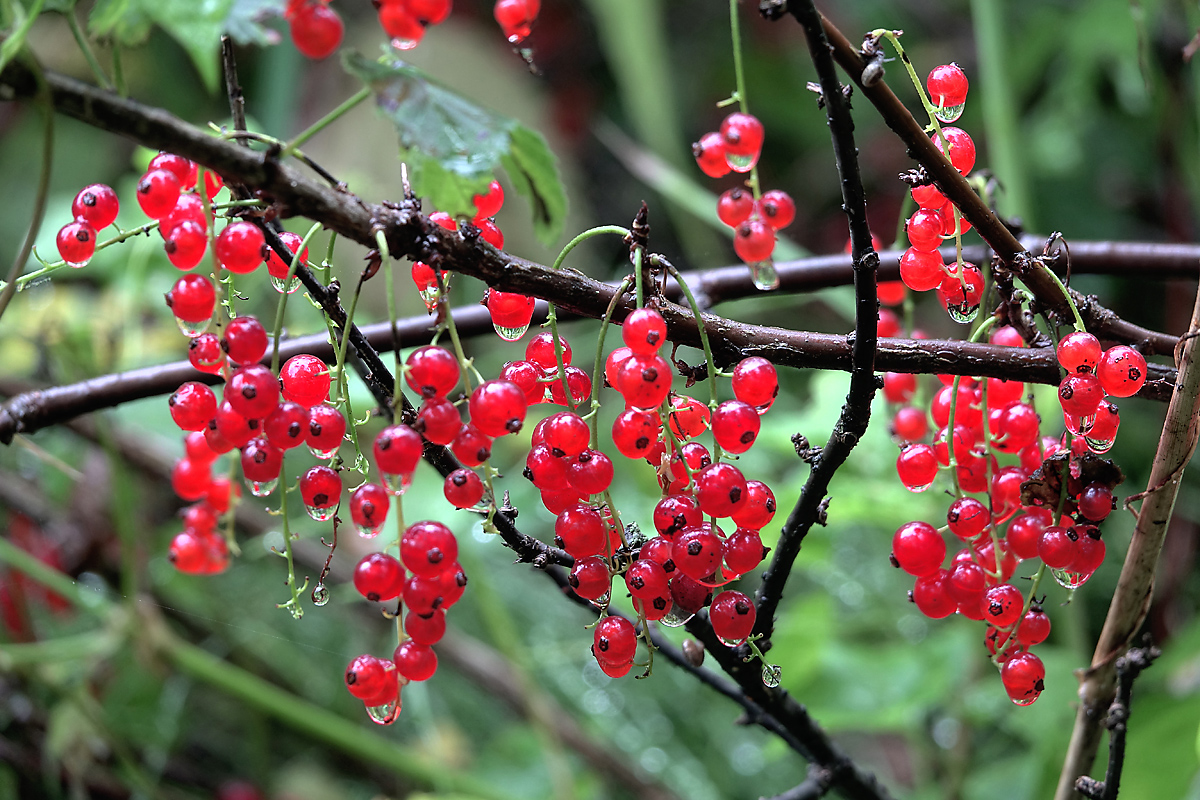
[283,296]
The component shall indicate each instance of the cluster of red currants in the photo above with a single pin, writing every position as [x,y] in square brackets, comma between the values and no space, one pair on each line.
[1060,526]
[959,285]
[754,219]
[316,28]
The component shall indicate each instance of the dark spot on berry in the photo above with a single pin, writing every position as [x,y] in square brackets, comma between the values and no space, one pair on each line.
[253,424]
[659,603]
[294,430]
[642,443]
[1066,391]
[172,400]
[652,337]
[483,454]
[528,473]
[770,504]
[249,392]
[911,599]
[89,199]
[320,500]
[513,425]
[368,510]
[558,541]
[735,494]
[695,548]
[373,597]
[892,558]
[434,555]
[314,428]
[747,437]
[650,374]
[637,582]
[995,609]
[602,643]
[459,479]
[260,456]
[460,578]
[557,453]
[1135,374]
[384,442]
[573,579]
[668,566]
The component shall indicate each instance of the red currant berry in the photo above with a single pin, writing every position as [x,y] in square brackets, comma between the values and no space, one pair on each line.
[1089,551]
[743,550]
[566,434]
[1096,502]
[960,296]
[416,662]
[721,490]
[245,340]
[369,507]
[397,450]
[1034,627]
[489,203]
[511,313]
[190,479]
[688,417]
[540,351]
[674,513]
[918,549]
[1022,676]
[928,196]
[590,578]
[261,463]
[710,155]
[157,193]
[735,206]
[777,209]
[1080,394]
[470,446]
[577,381]
[759,509]
[697,552]
[76,243]
[1007,336]
[490,232]
[591,472]
[316,30]
[931,596]
[1079,352]
[233,429]
[305,379]
[743,137]
[425,628]
[899,387]
[528,376]
[400,24]
[97,205]
[644,331]
[367,676]
[1002,605]
[614,640]
[910,424]
[891,293]
[921,271]
[950,225]
[428,547]
[581,531]
[185,244]
[253,391]
[192,299]
[438,421]
[185,170]
[917,466]
[1057,547]
[379,577]
[463,488]
[967,518]
[516,17]
[924,229]
[644,381]
[547,471]
[325,429]
[321,490]
[735,426]
[188,208]
[193,405]
[947,86]
[962,149]
[278,269]
[732,616]
[287,425]
[497,407]
[239,247]
[754,241]
[1025,531]
[646,579]
[1122,371]
[755,381]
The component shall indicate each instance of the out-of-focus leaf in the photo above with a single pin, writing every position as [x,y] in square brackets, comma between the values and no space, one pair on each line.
[453,146]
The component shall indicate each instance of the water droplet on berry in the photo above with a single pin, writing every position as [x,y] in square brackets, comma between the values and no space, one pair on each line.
[278,283]
[771,674]
[1099,445]
[320,595]
[950,113]
[740,163]
[1070,580]
[324,455]
[1078,425]
[730,642]
[432,296]
[262,488]
[385,714]
[510,334]
[321,514]
[676,617]
[404,44]
[368,532]
[962,313]
[764,276]
[396,484]
[192,329]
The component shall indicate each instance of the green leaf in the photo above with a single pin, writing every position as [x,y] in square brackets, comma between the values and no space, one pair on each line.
[196,24]
[453,146]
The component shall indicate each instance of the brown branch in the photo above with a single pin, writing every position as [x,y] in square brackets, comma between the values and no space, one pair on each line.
[1131,600]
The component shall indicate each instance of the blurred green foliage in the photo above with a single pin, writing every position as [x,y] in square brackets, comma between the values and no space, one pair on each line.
[1101,134]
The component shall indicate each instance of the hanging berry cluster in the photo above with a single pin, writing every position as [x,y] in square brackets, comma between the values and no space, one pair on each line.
[316,28]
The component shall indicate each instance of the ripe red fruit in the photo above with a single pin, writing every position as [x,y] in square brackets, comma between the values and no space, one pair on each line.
[192,299]
[910,424]
[566,434]
[190,479]
[427,548]
[277,268]
[759,509]
[967,518]
[754,241]
[918,549]
[735,206]
[511,312]
[947,86]
[721,490]
[644,381]
[743,138]
[97,205]
[416,662]
[578,382]
[379,577]
[688,417]
[921,271]
[193,405]
[777,209]
[157,193]
[591,472]
[438,421]
[735,426]
[644,331]
[470,446]
[1079,351]
[321,490]
[185,244]
[1002,605]
[305,379]
[489,203]
[710,155]
[697,552]
[540,351]
[1080,394]
[755,381]
[928,196]
[962,148]
[646,579]
[239,247]
[1022,676]
[924,229]
[253,391]
[76,243]
[590,578]
[326,427]
[674,513]
[397,450]
[931,596]
[899,387]
[497,407]
[891,293]
[615,640]
[316,29]
[917,466]
[261,462]
[401,25]
[245,340]
[287,425]
[1122,371]
[425,628]
[369,507]
[528,376]
[463,488]
[581,530]
[732,615]
[516,18]
[368,676]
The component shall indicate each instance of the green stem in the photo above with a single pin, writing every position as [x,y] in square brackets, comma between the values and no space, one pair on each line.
[639,281]
[700,328]
[292,605]
[1079,326]
[283,296]
[598,364]
[118,71]
[323,122]
[86,49]
[552,316]
[739,75]
[39,199]
[389,284]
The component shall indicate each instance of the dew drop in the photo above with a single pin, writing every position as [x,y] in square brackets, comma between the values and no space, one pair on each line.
[320,594]
[192,329]
[1025,701]
[368,532]
[278,283]
[771,674]
[432,296]
[949,113]
[405,44]
[676,618]
[1078,425]
[918,489]
[385,714]
[741,163]
[764,276]
[962,313]
[396,484]
[321,513]
[1099,445]
[1070,580]
[323,454]
[510,334]
[730,642]
[262,488]
[77,264]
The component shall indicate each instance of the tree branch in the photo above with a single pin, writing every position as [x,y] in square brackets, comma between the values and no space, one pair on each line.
[1131,601]
[816,786]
